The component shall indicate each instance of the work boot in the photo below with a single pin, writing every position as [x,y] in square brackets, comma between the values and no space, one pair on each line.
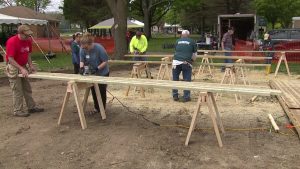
[35,110]
[21,114]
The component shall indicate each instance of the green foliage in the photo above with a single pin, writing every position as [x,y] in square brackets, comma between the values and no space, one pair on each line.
[87,13]
[278,10]
[155,8]
[33,4]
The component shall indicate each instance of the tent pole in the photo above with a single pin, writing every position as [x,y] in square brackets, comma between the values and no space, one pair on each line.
[40,49]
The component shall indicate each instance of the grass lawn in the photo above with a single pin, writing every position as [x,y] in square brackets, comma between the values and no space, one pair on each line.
[155,45]
[63,61]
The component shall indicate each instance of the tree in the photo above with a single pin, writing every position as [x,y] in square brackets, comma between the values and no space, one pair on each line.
[36,5]
[86,13]
[119,10]
[278,10]
[151,11]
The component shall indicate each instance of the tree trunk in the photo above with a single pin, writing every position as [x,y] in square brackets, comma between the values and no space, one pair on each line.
[119,10]
[147,23]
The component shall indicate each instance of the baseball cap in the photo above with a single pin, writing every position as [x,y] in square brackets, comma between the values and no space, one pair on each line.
[266,36]
[24,29]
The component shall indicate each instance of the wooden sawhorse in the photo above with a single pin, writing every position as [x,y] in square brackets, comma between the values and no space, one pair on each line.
[136,72]
[164,67]
[75,87]
[204,63]
[229,77]
[282,57]
[207,98]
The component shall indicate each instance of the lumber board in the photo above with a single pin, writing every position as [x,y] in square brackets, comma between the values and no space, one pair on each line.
[233,57]
[198,86]
[236,64]
[275,126]
[212,64]
[153,56]
[250,51]
[135,61]
[291,92]
[205,56]
[292,113]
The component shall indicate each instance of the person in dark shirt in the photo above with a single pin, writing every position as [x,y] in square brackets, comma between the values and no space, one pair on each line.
[93,57]
[185,54]
[75,47]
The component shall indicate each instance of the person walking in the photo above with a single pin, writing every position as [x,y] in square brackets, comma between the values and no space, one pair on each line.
[185,54]
[18,59]
[94,57]
[227,44]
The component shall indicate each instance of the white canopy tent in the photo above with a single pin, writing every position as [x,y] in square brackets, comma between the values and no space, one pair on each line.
[6,19]
[107,24]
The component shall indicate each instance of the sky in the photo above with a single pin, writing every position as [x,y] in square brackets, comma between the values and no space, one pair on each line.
[54,5]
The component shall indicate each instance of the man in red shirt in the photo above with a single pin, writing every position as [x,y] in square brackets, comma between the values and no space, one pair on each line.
[18,49]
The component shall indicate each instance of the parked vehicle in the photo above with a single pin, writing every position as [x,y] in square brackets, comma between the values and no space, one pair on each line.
[287,39]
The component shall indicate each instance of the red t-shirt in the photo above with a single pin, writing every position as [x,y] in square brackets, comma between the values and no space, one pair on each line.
[18,49]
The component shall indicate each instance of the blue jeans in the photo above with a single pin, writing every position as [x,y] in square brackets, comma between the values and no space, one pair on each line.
[140,58]
[186,70]
[228,54]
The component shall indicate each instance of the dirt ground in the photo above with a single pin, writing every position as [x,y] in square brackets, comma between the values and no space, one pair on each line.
[125,140]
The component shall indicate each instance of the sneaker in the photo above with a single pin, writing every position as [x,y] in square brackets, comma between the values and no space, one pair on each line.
[21,114]
[186,100]
[35,110]
[175,99]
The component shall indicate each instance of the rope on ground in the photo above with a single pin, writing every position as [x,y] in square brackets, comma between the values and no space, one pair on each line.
[127,108]
[203,129]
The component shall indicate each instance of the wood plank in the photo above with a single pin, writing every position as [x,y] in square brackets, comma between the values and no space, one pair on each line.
[275,126]
[293,114]
[198,86]
[236,64]
[202,56]
[291,92]
[250,51]
[233,57]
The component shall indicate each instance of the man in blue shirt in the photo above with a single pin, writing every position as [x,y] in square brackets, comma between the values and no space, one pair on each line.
[185,54]
[94,58]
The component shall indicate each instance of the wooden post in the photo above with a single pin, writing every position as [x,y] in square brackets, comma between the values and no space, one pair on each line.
[193,122]
[65,102]
[100,103]
[79,106]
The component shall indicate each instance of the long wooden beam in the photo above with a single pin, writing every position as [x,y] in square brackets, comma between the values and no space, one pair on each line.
[198,86]
[237,64]
[134,61]
[233,57]
[207,56]
[211,64]
[251,51]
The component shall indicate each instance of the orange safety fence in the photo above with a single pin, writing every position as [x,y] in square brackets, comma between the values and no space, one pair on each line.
[59,45]
[241,45]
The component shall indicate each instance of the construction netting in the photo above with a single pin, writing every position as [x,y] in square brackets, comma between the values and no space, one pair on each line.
[292,56]
[63,44]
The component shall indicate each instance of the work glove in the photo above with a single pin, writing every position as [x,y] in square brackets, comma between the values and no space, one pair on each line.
[81,70]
